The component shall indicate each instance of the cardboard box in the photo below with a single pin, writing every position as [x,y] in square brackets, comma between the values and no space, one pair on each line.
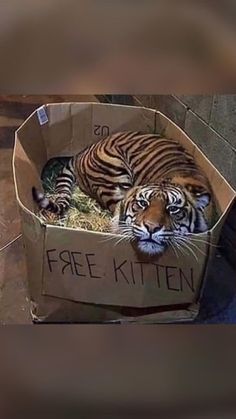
[79,276]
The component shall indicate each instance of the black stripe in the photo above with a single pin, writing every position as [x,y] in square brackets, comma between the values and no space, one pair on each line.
[170,164]
[65,191]
[127,136]
[104,165]
[139,144]
[70,177]
[148,156]
[63,183]
[164,156]
[65,177]
[135,151]
[103,172]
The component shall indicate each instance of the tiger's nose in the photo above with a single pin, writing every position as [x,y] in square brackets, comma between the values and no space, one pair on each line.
[153,228]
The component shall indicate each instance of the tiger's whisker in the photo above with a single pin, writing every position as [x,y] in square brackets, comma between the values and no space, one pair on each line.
[191,242]
[184,244]
[197,239]
[181,249]
[204,242]
[198,248]
[195,246]
[121,239]
[189,250]
[106,239]
[174,249]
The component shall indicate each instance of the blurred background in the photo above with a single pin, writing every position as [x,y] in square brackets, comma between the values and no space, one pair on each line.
[84,47]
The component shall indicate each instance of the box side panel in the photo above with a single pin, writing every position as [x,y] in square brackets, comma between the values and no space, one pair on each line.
[32,142]
[222,190]
[68,128]
[216,230]
[33,237]
[83,266]
[81,118]
[168,129]
[103,120]
[108,119]
[26,175]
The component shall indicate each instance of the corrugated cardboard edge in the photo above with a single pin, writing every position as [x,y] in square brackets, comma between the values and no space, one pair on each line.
[170,316]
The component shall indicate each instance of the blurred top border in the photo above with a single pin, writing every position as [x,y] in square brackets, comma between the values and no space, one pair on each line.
[77,47]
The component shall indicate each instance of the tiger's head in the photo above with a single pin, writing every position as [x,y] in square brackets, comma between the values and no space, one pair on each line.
[155,216]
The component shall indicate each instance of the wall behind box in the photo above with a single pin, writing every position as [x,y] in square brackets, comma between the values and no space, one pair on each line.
[210,120]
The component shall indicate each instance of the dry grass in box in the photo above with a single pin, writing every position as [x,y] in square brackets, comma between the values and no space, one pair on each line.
[84,212]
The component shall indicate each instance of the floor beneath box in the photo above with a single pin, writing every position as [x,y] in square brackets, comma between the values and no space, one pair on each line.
[219,299]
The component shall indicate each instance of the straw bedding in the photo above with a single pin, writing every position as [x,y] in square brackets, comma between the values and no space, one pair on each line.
[84,212]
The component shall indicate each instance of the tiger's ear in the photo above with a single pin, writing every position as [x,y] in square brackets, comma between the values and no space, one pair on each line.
[202,199]
[201,196]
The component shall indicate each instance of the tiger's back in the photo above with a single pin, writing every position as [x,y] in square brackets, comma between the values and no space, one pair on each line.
[129,159]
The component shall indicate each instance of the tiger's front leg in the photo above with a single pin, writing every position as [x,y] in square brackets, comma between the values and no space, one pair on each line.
[108,197]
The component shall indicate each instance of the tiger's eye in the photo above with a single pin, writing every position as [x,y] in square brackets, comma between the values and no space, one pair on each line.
[143,203]
[173,210]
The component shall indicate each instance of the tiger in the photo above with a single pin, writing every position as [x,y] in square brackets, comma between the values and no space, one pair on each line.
[152,186]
